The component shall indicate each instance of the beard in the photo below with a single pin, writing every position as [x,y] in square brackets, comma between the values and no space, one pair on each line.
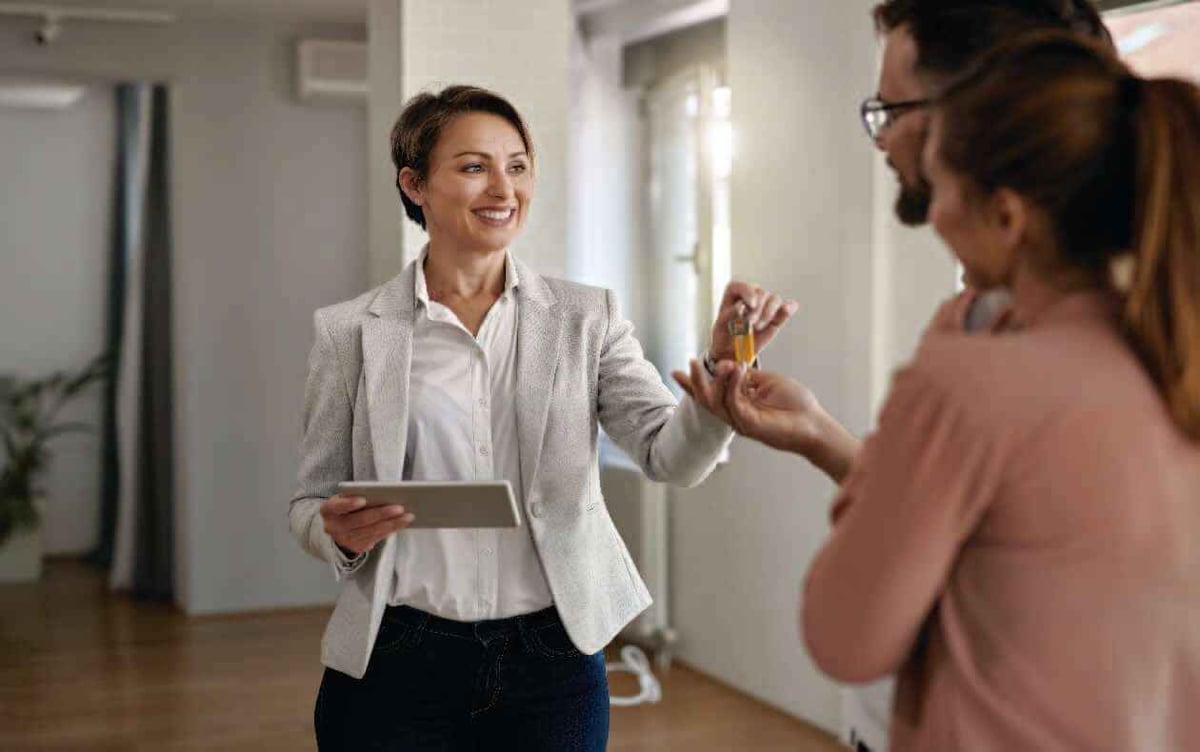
[912,205]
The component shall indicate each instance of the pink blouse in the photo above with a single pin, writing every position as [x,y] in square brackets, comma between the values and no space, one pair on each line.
[1020,541]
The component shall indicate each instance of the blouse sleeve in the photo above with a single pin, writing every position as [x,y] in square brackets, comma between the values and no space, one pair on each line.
[915,494]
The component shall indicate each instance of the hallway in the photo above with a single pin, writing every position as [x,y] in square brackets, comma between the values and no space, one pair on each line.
[80,670]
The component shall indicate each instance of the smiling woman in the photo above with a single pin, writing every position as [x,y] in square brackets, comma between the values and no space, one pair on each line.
[470,366]
[444,131]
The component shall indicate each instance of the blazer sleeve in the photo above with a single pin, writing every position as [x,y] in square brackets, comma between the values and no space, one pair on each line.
[917,491]
[678,444]
[325,451]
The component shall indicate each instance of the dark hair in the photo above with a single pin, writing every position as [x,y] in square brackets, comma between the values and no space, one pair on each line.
[1114,161]
[426,115]
[950,34]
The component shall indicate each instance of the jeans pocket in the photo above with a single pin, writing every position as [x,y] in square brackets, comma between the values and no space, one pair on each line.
[396,637]
[552,641]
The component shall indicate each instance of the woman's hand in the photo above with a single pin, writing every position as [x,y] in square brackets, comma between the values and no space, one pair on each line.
[766,313]
[356,528]
[778,411]
[785,414]
[771,408]
[706,392]
[766,407]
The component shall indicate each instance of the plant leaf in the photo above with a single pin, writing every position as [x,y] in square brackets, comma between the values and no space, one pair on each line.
[65,428]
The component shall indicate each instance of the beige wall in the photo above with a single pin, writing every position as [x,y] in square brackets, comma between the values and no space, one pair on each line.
[269,217]
[521,50]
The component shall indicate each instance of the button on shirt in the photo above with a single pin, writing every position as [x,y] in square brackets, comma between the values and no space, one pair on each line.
[462,425]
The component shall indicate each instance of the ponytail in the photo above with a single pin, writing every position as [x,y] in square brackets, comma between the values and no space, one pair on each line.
[1114,161]
[1162,307]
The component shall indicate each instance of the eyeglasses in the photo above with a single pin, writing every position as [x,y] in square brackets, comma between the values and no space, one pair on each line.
[878,115]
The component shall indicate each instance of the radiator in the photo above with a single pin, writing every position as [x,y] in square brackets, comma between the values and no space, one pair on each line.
[639,509]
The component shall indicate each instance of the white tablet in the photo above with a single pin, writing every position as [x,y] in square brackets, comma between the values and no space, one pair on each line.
[443,504]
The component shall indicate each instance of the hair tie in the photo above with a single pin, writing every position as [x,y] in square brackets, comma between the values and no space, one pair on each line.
[1121,271]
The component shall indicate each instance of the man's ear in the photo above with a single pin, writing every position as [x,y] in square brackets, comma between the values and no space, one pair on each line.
[410,183]
[1011,217]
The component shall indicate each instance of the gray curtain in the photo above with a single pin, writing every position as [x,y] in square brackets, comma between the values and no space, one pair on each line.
[137,505]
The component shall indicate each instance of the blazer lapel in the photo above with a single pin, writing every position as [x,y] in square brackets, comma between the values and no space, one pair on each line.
[539,334]
[387,357]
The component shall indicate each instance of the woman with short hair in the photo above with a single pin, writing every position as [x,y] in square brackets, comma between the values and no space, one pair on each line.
[469,365]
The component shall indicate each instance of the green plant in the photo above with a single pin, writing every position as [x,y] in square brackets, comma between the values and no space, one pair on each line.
[28,422]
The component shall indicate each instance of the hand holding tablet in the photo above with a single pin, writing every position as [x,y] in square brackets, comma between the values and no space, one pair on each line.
[355,528]
[442,504]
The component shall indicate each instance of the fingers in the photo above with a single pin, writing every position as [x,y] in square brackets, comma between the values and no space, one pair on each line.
[339,505]
[737,397]
[774,315]
[737,381]
[712,393]
[725,368]
[749,294]
[369,517]
[701,389]
[365,538]
[764,309]
[737,290]
[765,315]
[704,391]
[357,528]
[684,382]
[785,311]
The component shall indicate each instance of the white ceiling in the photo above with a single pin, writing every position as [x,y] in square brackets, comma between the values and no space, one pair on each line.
[629,19]
[349,11]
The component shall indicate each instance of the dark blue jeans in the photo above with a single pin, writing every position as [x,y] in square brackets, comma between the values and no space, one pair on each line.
[435,684]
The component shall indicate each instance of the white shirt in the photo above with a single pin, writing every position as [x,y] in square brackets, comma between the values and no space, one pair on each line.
[462,425]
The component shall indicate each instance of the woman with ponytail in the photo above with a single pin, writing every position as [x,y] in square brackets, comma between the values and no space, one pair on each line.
[1020,539]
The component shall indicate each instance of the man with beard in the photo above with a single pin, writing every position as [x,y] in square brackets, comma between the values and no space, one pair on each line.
[926,43]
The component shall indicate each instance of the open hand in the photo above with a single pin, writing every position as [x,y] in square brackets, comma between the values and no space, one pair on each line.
[771,408]
[707,392]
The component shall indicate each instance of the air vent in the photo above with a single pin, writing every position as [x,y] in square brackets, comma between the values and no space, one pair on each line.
[331,70]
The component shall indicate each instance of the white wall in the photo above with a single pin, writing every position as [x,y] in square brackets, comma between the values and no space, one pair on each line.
[606,217]
[913,272]
[521,51]
[55,204]
[802,224]
[269,217]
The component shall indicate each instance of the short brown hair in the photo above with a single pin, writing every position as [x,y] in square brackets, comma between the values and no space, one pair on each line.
[950,34]
[426,115]
[1114,161]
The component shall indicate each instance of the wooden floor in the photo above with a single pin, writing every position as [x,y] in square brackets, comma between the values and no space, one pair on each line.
[82,670]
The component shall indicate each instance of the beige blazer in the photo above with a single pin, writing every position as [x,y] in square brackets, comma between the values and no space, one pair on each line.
[579,366]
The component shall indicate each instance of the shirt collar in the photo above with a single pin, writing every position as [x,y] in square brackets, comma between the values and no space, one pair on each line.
[421,288]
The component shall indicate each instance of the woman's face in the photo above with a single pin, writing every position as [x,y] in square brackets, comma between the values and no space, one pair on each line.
[978,229]
[479,185]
